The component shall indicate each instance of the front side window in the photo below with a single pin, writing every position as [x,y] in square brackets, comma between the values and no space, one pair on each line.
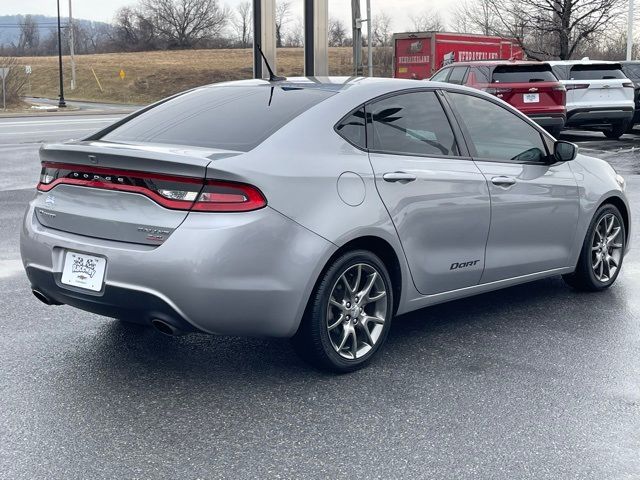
[411,124]
[496,133]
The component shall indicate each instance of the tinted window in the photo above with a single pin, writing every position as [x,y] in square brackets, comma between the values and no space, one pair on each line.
[441,76]
[233,118]
[523,74]
[411,123]
[352,128]
[496,133]
[457,75]
[478,75]
[596,72]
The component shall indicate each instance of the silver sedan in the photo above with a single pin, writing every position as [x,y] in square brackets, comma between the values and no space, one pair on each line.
[316,209]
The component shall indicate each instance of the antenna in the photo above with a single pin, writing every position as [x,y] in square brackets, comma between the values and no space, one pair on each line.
[272,76]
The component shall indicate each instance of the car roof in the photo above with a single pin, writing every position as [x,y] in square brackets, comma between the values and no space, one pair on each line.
[494,63]
[584,61]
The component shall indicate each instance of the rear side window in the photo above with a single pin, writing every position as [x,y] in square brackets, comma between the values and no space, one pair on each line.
[353,129]
[632,71]
[441,76]
[596,72]
[411,124]
[478,75]
[229,118]
[523,74]
[457,75]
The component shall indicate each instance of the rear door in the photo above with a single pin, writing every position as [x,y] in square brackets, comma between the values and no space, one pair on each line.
[534,204]
[437,197]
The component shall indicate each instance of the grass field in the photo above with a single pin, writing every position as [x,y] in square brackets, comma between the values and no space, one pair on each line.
[150,76]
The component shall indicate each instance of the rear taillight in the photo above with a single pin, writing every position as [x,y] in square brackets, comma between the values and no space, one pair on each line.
[628,85]
[218,196]
[170,191]
[559,88]
[577,86]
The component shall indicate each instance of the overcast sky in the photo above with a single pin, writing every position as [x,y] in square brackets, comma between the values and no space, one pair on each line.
[400,10]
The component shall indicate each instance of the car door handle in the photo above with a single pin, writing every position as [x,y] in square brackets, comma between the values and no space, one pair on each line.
[401,177]
[502,181]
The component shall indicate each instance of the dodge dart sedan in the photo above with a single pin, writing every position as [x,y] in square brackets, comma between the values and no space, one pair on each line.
[316,209]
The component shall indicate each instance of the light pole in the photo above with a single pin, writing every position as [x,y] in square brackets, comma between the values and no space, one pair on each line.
[630,32]
[61,103]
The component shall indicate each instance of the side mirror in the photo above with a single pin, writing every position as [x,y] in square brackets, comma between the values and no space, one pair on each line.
[564,151]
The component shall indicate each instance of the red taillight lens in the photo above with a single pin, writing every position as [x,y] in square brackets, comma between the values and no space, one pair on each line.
[219,196]
[577,86]
[174,192]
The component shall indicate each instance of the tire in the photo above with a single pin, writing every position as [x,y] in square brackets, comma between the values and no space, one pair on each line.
[592,275]
[326,334]
[630,127]
[555,131]
[617,130]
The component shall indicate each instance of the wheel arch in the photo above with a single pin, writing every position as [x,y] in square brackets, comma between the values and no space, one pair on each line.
[624,211]
[381,248]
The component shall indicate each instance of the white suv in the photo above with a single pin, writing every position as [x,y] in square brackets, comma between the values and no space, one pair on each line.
[599,95]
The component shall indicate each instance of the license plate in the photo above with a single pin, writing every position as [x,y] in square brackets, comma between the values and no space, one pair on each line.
[83,271]
[531,97]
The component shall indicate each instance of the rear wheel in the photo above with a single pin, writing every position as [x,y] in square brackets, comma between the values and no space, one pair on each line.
[616,130]
[349,314]
[602,252]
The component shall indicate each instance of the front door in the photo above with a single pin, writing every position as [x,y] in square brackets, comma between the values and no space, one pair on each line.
[534,202]
[438,199]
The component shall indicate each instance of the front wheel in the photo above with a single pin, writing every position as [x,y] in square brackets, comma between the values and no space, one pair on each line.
[349,314]
[602,252]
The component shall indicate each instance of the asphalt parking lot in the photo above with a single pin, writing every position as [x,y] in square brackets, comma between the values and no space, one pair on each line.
[535,381]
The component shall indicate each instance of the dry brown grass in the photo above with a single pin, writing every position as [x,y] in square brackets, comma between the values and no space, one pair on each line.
[154,75]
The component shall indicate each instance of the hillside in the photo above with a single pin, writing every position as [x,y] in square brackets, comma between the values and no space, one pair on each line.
[154,75]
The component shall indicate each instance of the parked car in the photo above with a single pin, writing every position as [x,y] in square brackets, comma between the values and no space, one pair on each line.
[531,87]
[599,95]
[631,70]
[316,210]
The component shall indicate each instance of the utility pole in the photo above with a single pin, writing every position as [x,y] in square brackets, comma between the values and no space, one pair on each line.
[356,25]
[630,32]
[61,102]
[71,49]
[369,39]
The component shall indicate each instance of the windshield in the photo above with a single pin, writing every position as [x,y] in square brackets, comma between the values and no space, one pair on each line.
[228,118]
[523,74]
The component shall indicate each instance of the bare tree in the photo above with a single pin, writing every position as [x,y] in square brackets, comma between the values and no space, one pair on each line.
[15,81]
[337,32]
[242,23]
[556,28]
[475,16]
[381,30]
[133,30]
[183,23]
[295,35]
[283,13]
[428,22]
[29,39]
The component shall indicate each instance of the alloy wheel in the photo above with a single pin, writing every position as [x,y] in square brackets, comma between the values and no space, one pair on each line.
[606,248]
[357,311]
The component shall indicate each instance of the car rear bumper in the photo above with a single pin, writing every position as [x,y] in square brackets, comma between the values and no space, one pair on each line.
[599,116]
[232,274]
[550,120]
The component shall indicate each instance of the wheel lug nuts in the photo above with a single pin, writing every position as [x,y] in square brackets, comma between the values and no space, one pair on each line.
[348,317]
[356,299]
[348,305]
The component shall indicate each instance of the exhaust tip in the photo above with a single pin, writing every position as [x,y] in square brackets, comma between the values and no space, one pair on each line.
[42,297]
[165,328]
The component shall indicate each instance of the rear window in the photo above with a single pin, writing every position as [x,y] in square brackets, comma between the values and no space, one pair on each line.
[230,118]
[596,72]
[523,74]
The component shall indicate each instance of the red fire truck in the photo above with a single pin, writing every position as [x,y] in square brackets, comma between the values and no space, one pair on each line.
[418,55]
